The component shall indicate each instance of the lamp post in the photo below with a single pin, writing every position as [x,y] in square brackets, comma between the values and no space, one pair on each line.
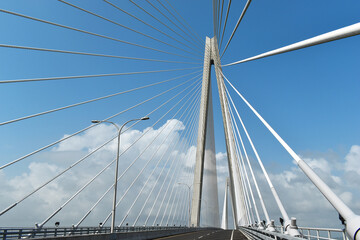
[117,164]
[189,199]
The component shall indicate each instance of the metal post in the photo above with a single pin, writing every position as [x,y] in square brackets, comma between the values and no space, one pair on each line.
[113,212]
[189,208]
[317,234]
[116,177]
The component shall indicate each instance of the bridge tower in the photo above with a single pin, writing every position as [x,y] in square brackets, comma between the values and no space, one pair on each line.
[205,153]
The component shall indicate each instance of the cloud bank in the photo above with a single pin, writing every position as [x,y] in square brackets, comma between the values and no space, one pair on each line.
[299,196]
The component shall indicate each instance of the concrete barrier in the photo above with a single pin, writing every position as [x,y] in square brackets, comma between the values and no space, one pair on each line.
[126,235]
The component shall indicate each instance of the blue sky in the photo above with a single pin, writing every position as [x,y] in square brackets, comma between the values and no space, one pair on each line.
[310,96]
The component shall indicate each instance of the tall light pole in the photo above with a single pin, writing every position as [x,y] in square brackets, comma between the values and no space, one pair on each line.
[189,199]
[117,164]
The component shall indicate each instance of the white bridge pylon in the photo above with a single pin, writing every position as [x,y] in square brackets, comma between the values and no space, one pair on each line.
[205,153]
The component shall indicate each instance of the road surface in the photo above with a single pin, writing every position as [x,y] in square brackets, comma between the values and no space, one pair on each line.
[208,235]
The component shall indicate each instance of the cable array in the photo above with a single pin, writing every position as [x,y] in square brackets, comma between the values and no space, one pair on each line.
[173,90]
[157,157]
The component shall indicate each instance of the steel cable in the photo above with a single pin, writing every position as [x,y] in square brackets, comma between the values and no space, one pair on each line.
[92,54]
[141,8]
[130,29]
[159,175]
[148,145]
[82,219]
[83,31]
[237,25]
[180,23]
[85,102]
[92,76]
[149,25]
[80,131]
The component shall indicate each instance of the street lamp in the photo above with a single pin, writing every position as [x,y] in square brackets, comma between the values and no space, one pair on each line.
[189,199]
[117,164]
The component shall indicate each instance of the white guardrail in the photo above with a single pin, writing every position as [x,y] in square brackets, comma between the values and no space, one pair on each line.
[323,233]
[312,233]
[309,233]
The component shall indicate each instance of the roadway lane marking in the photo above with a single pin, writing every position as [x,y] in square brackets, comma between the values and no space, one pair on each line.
[176,235]
[200,237]
[232,235]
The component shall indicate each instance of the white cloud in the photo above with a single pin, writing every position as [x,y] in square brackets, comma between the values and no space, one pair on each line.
[44,202]
[304,201]
[320,163]
[222,165]
[353,160]
[298,194]
[90,139]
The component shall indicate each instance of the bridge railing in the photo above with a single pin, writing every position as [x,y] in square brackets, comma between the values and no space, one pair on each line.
[306,232]
[312,233]
[322,233]
[256,234]
[18,233]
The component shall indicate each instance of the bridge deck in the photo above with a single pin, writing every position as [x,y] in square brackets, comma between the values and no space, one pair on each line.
[208,235]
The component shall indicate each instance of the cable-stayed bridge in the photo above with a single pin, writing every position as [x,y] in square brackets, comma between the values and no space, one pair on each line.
[110,113]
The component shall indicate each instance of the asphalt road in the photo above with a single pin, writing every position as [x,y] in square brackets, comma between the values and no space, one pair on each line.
[208,235]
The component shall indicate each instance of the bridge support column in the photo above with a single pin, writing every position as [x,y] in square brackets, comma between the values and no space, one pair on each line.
[224,219]
[200,151]
[236,188]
